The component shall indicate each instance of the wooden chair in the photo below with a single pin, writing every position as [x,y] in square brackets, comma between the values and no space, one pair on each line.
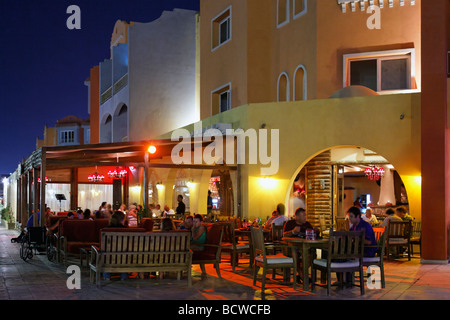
[342,224]
[212,249]
[416,236]
[380,236]
[345,246]
[398,235]
[265,261]
[231,244]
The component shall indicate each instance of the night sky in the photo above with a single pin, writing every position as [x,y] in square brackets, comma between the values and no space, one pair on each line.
[43,64]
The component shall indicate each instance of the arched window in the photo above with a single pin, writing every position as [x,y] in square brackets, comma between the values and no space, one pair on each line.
[300,84]
[120,130]
[106,130]
[283,87]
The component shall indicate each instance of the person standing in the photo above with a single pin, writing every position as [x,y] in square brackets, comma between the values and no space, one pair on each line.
[181,209]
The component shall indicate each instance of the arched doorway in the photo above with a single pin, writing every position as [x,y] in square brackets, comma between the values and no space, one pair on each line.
[332,181]
[221,188]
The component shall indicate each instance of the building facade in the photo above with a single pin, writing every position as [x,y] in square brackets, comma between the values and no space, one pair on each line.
[149,85]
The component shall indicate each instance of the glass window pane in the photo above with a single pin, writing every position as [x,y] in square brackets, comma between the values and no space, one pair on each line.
[394,74]
[224,101]
[224,30]
[364,73]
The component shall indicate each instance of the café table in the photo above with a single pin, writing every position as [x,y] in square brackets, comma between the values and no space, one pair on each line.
[305,246]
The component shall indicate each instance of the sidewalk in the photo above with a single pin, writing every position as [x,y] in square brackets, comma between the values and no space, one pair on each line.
[39,279]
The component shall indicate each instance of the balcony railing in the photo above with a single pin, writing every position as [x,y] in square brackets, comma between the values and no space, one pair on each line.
[105,96]
[119,85]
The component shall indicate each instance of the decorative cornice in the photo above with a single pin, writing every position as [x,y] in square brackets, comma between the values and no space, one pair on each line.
[369,3]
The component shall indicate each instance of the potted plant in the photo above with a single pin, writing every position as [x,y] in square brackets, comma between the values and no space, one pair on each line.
[8,216]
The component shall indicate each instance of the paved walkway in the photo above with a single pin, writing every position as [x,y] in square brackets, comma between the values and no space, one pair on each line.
[39,279]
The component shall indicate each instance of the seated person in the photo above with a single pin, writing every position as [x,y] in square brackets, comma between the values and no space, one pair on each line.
[370,217]
[167,225]
[390,216]
[297,226]
[281,218]
[131,216]
[30,222]
[87,214]
[403,214]
[358,224]
[117,221]
[167,212]
[268,224]
[187,223]
[198,233]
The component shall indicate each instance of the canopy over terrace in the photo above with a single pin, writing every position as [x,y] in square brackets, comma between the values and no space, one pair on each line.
[31,196]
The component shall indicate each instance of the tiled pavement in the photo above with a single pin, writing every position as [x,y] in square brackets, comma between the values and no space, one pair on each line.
[39,279]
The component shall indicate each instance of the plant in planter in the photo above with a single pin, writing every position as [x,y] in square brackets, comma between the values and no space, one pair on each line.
[8,216]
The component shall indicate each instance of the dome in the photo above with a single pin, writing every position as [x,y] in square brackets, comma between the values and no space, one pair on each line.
[353,91]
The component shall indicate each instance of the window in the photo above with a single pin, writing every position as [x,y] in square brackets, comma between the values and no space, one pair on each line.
[221,29]
[282,12]
[283,87]
[299,8]
[300,85]
[381,71]
[67,136]
[221,99]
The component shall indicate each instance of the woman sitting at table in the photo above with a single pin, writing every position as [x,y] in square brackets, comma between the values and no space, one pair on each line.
[132,216]
[198,234]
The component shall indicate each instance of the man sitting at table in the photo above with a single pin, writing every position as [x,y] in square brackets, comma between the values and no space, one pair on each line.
[297,226]
[294,228]
[358,224]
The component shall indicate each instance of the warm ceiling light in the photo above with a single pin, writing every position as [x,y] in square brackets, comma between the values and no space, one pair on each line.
[152,149]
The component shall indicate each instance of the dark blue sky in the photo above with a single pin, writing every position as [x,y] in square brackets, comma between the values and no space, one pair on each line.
[43,64]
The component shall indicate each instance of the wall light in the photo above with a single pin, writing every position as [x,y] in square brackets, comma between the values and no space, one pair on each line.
[267,183]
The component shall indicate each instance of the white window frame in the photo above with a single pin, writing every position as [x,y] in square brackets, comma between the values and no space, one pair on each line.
[216,91]
[62,136]
[220,22]
[288,85]
[305,83]
[380,56]
[303,12]
[279,25]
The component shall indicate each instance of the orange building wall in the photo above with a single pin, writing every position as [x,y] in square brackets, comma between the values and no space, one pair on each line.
[341,33]
[260,51]
[95,104]
[227,63]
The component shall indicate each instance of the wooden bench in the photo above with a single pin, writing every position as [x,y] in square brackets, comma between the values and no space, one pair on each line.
[123,251]
[75,234]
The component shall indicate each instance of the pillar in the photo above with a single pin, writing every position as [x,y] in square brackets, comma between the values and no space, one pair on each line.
[434,133]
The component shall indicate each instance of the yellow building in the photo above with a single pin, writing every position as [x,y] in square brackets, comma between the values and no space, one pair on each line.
[303,68]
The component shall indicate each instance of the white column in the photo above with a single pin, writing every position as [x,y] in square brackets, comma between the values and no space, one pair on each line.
[387,192]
